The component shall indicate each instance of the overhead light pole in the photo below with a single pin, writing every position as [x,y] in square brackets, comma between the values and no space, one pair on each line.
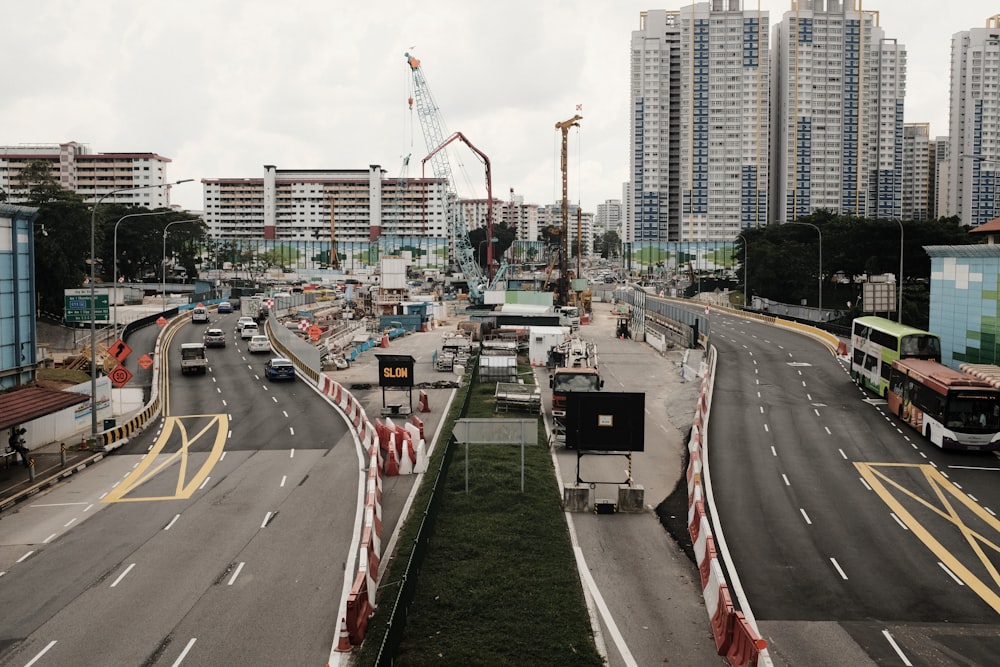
[746,268]
[820,277]
[114,262]
[491,241]
[93,293]
[899,301]
[163,266]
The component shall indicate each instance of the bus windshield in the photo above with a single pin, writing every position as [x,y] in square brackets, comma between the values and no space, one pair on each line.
[971,411]
[920,346]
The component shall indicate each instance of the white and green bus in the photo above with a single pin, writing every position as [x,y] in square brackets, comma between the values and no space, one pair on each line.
[877,342]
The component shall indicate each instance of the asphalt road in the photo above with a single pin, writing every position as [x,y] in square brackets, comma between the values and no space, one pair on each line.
[856,541]
[227,544]
[646,593]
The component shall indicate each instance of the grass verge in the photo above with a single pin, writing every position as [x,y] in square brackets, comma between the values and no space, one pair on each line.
[499,585]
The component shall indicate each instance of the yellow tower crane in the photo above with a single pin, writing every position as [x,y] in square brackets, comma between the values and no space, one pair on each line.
[562,293]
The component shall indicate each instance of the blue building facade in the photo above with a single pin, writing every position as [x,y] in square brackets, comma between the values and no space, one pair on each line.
[965,308]
[18,355]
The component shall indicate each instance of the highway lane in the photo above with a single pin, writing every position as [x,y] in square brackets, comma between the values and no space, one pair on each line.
[843,523]
[226,543]
[652,610]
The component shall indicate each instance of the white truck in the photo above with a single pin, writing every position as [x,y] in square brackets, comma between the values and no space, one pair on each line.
[193,358]
[250,306]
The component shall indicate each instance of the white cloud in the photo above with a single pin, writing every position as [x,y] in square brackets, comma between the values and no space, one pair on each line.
[223,87]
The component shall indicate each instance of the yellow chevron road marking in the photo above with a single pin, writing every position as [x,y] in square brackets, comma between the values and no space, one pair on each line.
[217,426]
[951,500]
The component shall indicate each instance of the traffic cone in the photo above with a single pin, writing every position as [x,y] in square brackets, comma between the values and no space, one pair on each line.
[344,644]
[391,463]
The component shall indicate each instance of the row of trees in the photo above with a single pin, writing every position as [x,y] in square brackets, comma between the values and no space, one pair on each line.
[62,238]
[781,262]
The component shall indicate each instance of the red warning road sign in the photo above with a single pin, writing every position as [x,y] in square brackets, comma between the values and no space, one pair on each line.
[161,320]
[145,361]
[120,376]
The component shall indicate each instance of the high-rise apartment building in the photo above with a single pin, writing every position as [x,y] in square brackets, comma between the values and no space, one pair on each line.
[608,217]
[837,110]
[917,190]
[723,157]
[521,217]
[942,169]
[89,174]
[699,160]
[974,125]
[655,79]
[579,224]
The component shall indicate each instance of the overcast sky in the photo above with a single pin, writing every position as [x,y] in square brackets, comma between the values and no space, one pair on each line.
[223,87]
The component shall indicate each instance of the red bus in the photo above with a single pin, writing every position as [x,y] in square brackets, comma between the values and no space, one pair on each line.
[952,409]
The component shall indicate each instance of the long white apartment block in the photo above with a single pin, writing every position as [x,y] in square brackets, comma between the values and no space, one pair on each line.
[92,175]
[354,204]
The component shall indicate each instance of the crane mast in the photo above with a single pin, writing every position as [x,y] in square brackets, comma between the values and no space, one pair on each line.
[430,123]
[563,290]
[429,113]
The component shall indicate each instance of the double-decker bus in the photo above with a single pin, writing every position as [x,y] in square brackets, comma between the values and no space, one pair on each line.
[877,342]
[952,409]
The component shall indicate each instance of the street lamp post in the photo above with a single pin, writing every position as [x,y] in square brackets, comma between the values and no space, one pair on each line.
[820,277]
[93,294]
[746,268]
[114,263]
[899,301]
[491,241]
[163,266]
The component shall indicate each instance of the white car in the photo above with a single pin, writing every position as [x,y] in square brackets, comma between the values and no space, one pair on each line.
[248,331]
[243,321]
[259,344]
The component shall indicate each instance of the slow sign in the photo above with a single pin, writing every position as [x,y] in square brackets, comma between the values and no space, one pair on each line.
[395,370]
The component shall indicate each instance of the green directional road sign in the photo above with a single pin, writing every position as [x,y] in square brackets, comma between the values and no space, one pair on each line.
[77,306]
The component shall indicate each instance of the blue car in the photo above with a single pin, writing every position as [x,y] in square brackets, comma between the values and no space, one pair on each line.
[279,368]
[225,307]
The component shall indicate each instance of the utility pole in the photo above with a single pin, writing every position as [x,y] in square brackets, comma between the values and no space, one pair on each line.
[563,292]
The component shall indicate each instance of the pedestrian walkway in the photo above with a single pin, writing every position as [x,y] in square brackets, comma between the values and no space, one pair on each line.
[50,464]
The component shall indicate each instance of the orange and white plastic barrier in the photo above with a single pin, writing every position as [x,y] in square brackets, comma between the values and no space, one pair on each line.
[735,637]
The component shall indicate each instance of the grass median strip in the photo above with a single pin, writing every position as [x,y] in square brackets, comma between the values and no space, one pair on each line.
[499,584]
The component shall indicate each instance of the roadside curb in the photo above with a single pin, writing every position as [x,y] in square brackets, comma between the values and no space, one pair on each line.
[51,480]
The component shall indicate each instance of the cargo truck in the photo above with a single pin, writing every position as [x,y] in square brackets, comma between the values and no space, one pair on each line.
[193,358]
[250,306]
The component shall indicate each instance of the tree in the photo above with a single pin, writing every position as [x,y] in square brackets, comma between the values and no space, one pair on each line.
[504,236]
[607,245]
[783,258]
[62,238]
